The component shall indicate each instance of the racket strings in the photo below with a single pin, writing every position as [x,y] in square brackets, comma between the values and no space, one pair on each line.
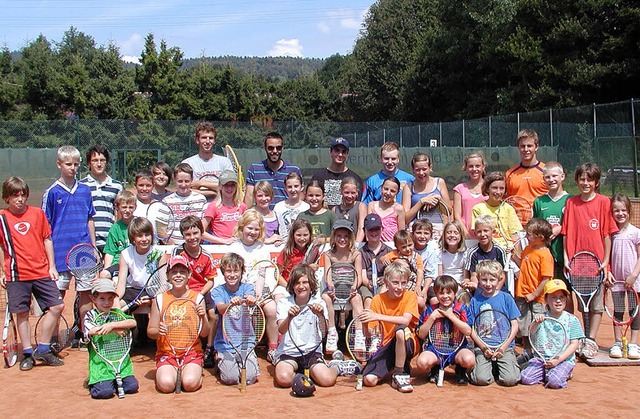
[444,337]
[183,324]
[548,338]
[84,261]
[625,302]
[492,327]
[243,326]
[159,282]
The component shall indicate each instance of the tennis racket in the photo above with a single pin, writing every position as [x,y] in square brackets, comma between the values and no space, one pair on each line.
[243,327]
[231,155]
[524,210]
[548,339]
[85,262]
[622,306]
[585,277]
[61,336]
[374,276]
[9,340]
[163,221]
[493,329]
[363,342]
[114,347]
[264,276]
[343,276]
[157,283]
[313,253]
[211,179]
[183,331]
[444,340]
[439,215]
[307,331]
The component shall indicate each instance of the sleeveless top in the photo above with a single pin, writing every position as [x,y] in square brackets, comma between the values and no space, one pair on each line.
[433,215]
[389,225]
[468,201]
[350,214]
[163,300]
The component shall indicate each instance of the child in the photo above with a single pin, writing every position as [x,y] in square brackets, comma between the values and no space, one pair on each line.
[69,208]
[396,311]
[505,216]
[118,238]
[302,288]
[373,248]
[425,190]
[101,376]
[249,233]
[551,208]
[536,268]
[343,250]
[178,273]
[288,210]
[320,218]
[221,216]
[350,208]
[232,292]
[137,262]
[202,274]
[428,249]
[161,179]
[503,358]
[559,369]
[452,251]
[104,190]
[467,194]
[582,233]
[299,240]
[184,201]
[485,250]
[27,268]
[143,183]
[625,266]
[390,158]
[263,194]
[404,250]
[391,213]
[446,289]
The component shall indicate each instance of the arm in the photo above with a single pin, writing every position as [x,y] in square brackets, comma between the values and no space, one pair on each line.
[607,254]
[123,273]
[457,211]
[112,327]
[444,192]
[371,316]
[631,279]
[207,287]
[155,327]
[248,196]
[533,295]
[362,213]
[48,249]
[202,313]
[402,221]
[92,230]
[357,264]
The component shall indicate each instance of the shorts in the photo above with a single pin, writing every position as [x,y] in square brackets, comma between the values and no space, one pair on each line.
[229,368]
[64,279]
[383,361]
[558,273]
[193,357]
[365,292]
[208,302]
[298,362]
[44,291]
[527,311]
[113,270]
[596,305]
[130,294]
[106,389]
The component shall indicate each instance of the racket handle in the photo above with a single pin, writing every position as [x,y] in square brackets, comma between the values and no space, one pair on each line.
[359,383]
[243,380]
[625,347]
[343,319]
[179,381]
[440,382]
[120,388]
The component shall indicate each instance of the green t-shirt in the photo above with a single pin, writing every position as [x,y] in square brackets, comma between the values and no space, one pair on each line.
[99,370]
[552,211]
[117,241]
[322,224]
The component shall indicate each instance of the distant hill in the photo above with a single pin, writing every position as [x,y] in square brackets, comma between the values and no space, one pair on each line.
[269,67]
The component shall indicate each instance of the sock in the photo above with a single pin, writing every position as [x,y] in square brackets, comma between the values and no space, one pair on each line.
[398,370]
[43,347]
[273,346]
[27,351]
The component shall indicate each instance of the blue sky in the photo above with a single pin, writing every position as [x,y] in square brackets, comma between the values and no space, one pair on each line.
[302,28]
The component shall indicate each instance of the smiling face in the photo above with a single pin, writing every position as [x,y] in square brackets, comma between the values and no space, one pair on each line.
[103,301]
[497,190]
[528,148]
[339,154]
[178,276]
[315,198]
[390,160]
[446,297]
[421,237]
[144,187]
[488,284]
[556,301]
[396,284]
[250,233]
[192,238]
[302,289]
[474,167]
[301,237]
[206,140]
[553,178]
[160,179]
[389,191]
[452,237]
[620,213]
[349,194]
[294,188]
[262,199]
[142,242]
[273,147]
[422,170]
[232,276]
[587,186]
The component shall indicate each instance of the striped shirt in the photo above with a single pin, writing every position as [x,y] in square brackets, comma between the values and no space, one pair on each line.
[104,196]
[193,204]
[261,171]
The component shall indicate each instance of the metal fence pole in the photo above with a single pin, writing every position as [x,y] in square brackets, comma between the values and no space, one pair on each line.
[551,125]
[489,131]
[635,150]
[464,140]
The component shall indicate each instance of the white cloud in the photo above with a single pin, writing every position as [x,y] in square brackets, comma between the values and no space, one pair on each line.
[323,27]
[286,48]
[132,46]
[131,59]
[346,19]
[350,23]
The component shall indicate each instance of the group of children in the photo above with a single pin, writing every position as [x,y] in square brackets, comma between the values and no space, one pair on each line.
[420,281]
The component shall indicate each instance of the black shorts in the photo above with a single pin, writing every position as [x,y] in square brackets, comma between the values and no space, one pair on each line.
[312,359]
[208,302]
[130,294]
[45,291]
[384,360]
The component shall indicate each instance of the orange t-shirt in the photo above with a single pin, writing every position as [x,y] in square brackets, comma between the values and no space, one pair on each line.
[536,264]
[383,304]
[526,181]
[163,301]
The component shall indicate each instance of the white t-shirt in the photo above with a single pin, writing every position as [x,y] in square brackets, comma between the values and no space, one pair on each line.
[139,271]
[298,323]
[215,165]
[286,215]
[251,255]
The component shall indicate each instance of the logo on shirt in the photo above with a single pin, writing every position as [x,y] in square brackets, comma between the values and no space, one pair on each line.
[594,224]
[22,227]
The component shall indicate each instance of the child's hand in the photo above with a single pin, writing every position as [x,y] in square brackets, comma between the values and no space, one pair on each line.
[353,293]
[530,297]
[331,293]
[368,315]
[538,317]
[293,311]
[628,283]
[609,279]
[162,328]
[143,301]
[104,329]
[250,300]
[201,310]
[316,308]
[553,362]
[235,301]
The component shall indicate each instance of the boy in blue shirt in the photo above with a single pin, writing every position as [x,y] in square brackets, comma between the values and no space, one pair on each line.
[390,158]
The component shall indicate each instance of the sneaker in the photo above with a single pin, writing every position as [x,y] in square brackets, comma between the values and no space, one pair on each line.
[75,342]
[27,363]
[271,356]
[332,341]
[83,345]
[209,358]
[346,368]
[402,383]
[461,375]
[360,343]
[338,355]
[48,358]
[375,345]
[433,375]
[633,352]
[616,350]
[524,358]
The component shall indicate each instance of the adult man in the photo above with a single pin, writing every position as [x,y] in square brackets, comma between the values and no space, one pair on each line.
[272,169]
[206,162]
[390,158]
[525,179]
[332,176]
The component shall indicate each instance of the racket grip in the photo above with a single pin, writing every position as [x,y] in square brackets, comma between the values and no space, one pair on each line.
[179,382]
[440,382]
[625,347]
[359,383]
[243,380]
[343,319]
[120,388]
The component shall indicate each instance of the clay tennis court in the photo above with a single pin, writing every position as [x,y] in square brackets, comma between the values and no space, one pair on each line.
[58,391]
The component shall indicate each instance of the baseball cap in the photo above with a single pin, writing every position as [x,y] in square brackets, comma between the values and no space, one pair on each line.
[228,176]
[372,221]
[178,260]
[302,386]
[343,223]
[104,285]
[339,141]
[554,285]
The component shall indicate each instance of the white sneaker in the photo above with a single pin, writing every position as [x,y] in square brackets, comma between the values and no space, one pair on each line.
[332,340]
[616,350]
[633,352]
[375,344]
[360,344]
[402,383]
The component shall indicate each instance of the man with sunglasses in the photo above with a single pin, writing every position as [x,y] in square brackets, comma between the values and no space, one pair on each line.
[272,169]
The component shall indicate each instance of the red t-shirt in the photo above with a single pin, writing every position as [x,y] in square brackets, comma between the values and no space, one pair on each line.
[202,269]
[22,240]
[287,266]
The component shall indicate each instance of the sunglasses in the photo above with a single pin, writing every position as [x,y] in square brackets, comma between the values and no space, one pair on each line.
[274,147]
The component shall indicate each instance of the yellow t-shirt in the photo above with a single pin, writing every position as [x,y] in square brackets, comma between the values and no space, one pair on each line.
[505,218]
